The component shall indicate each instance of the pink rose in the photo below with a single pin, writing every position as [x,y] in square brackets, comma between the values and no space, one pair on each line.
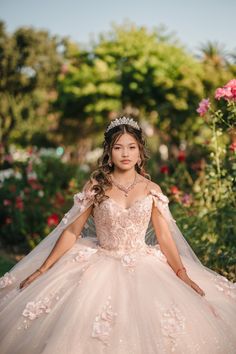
[7,202]
[228,92]
[232,147]
[203,107]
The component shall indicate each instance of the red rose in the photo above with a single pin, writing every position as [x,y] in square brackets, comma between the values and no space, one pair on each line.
[19,203]
[53,220]
[164,169]
[181,156]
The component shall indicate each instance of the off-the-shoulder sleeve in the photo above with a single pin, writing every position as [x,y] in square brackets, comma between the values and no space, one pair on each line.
[82,201]
[161,201]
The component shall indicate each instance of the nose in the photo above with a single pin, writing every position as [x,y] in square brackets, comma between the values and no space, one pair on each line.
[124,152]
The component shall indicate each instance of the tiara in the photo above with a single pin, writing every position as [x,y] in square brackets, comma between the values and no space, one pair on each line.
[123,120]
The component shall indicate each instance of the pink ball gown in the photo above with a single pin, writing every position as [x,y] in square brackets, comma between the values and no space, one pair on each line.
[114,293]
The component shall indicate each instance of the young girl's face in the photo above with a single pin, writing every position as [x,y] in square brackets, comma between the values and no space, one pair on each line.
[125,152]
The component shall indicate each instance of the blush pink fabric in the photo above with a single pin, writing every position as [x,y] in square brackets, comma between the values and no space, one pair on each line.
[115,294]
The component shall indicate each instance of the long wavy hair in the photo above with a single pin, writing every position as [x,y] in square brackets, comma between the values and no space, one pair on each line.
[102,174]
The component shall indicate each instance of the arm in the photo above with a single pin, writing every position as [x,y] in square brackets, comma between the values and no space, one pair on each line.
[168,247]
[62,245]
[165,240]
[68,236]
[66,240]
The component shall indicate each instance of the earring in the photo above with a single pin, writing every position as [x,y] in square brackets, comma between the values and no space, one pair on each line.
[109,163]
[139,162]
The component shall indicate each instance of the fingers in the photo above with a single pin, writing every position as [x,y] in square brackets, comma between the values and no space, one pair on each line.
[28,280]
[197,289]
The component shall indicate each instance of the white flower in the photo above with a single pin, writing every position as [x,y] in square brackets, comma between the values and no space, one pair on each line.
[41,193]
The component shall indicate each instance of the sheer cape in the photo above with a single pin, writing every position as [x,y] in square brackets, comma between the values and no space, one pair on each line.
[82,201]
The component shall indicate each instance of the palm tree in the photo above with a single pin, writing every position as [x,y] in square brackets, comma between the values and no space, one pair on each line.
[215,53]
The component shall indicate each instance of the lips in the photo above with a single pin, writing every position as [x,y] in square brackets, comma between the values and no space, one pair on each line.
[125,161]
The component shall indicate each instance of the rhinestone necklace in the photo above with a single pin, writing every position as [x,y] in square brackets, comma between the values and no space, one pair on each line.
[123,188]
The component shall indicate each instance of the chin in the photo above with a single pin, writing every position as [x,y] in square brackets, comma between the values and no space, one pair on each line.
[126,167]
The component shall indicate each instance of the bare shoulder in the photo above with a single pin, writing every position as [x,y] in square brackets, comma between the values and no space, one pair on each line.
[152,185]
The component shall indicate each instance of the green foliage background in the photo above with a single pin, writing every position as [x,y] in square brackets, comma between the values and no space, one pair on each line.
[57,94]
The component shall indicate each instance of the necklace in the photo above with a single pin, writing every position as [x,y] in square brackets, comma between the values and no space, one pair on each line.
[123,188]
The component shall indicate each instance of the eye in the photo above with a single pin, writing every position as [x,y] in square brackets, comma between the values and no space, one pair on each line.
[116,148]
[133,147]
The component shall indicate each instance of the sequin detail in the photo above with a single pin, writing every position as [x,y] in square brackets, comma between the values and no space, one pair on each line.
[103,322]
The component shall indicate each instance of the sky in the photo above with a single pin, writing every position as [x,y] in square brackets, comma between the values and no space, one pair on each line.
[193,22]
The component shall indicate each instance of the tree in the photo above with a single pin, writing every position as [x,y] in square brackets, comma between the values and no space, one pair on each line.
[29,64]
[129,70]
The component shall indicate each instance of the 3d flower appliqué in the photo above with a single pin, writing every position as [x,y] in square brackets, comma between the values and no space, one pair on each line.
[172,324]
[6,280]
[66,218]
[128,260]
[84,254]
[35,308]
[82,198]
[163,198]
[225,286]
[103,322]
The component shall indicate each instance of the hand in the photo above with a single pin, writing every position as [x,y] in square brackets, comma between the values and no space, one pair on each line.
[183,276]
[30,279]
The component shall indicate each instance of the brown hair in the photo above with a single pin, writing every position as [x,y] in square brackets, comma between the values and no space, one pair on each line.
[101,174]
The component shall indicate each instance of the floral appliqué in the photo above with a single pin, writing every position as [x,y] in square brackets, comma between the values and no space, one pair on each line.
[225,286]
[81,199]
[172,325]
[128,260]
[84,254]
[103,322]
[34,309]
[161,201]
[6,280]
[163,198]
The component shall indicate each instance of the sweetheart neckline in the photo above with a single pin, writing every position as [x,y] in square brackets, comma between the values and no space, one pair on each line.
[131,206]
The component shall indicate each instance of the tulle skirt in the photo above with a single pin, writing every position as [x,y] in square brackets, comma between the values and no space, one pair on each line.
[95,301]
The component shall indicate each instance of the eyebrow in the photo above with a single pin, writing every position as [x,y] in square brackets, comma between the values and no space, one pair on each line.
[128,144]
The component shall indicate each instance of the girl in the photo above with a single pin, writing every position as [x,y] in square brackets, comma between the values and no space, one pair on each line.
[116,276]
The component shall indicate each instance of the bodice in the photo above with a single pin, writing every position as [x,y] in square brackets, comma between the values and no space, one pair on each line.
[122,229]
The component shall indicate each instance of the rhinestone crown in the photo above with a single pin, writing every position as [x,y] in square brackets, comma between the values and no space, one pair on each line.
[123,120]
